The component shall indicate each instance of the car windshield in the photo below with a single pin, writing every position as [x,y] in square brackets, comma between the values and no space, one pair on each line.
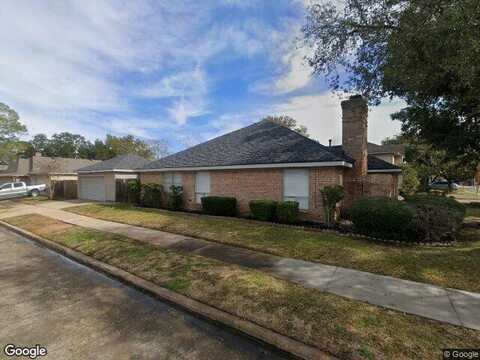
[6,186]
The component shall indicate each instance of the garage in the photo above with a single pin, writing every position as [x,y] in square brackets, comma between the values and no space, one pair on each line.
[102,181]
[92,188]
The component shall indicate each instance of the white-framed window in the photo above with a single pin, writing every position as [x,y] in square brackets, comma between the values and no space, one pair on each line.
[171,178]
[202,185]
[296,186]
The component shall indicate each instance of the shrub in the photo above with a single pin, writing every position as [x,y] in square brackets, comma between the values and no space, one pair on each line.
[219,205]
[410,182]
[475,204]
[152,195]
[175,198]
[383,217]
[287,212]
[331,196]
[134,192]
[434,223]
[264,210]
[437,200]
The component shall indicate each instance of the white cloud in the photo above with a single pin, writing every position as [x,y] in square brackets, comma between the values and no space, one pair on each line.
[183,109]
[298,73]
[322,115]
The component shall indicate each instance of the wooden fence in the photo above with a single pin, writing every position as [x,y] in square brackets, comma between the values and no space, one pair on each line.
[65,189]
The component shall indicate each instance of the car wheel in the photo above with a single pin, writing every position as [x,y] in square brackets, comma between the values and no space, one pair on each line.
[34,193]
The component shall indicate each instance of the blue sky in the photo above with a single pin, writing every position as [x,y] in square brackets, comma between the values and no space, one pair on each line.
[183,71]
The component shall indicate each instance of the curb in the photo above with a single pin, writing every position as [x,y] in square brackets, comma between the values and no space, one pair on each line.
[252,330]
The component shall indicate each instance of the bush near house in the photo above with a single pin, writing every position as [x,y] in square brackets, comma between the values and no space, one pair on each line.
[383,218]
[264,210]
[287,212]
[134,192]
[219,205]
[175,197]
[424,218]
[152,195]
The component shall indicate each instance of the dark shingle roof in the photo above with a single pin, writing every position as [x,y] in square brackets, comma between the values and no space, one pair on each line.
[374,163]
[120,162]
[261,143]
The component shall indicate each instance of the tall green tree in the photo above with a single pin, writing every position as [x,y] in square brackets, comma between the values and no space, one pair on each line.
[423,51]
[119,145]
[10,130]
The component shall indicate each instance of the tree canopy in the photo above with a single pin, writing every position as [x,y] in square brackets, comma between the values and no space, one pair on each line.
[70,145]
[423,51]
[288,122]
[10,130]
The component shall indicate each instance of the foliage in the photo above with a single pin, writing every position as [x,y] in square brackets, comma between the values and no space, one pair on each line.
[10,130]
[70,145]
[264,210]
[219,205]
[410,181]
[134,192]
[331,196]
[152,195]
[435,223]
[382,217]
[288,122]
[175,197]
[425,52]
[440,201]
[287,212]
[430,163]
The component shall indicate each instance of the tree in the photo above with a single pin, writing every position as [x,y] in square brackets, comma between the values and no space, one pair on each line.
[159,148]
[288,122]
[331,196]
[423,51]
[431,164]
[127,145]
[410,181]
[10,130]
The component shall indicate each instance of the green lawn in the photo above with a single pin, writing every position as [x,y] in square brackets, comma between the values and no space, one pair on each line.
[456,267]
[346,328]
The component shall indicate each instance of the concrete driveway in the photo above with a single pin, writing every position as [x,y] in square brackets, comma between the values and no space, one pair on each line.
[80,314]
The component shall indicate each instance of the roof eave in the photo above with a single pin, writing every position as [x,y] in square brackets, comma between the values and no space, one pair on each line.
[253,166]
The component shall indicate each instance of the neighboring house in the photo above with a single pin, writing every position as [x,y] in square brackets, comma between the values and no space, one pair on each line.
[99,181]
[268,161]
[392,153]
[3,165]
[40,169]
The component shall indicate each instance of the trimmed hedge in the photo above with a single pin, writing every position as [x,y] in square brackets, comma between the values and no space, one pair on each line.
[264,210]
[384,218]
[219,205]
[287,212]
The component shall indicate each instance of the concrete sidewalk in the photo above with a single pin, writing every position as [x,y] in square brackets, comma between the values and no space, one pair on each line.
[433,302]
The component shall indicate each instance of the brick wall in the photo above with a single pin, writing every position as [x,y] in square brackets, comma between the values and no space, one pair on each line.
[254,184]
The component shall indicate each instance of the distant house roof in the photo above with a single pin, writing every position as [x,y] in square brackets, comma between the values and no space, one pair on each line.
[374,163]
[58,165]
[120,162]
[17,167]
[39,165]
[263,143]
[386,149]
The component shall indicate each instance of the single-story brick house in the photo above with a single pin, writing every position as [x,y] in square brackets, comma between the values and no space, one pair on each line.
[46,170]
[269,161]
[101,181]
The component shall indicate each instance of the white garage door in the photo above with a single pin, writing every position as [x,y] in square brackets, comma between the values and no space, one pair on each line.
[92,188]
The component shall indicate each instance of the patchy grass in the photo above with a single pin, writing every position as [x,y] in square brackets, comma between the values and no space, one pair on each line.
[456,267]
[32,200]
[473,211]
[349,329]
[466,194]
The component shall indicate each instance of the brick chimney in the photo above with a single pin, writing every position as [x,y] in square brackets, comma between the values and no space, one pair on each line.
[354,132]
